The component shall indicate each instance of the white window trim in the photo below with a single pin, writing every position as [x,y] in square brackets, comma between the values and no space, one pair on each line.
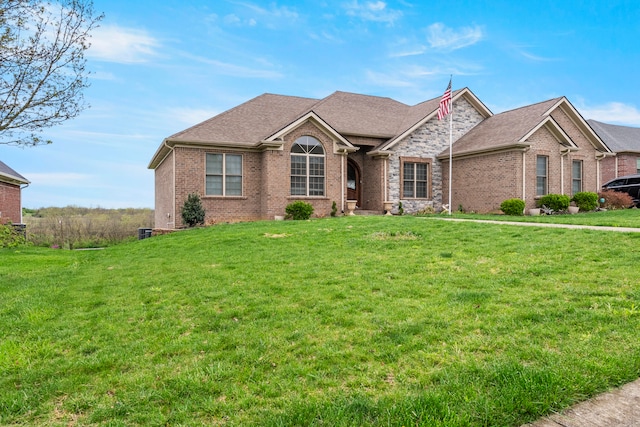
[224,175]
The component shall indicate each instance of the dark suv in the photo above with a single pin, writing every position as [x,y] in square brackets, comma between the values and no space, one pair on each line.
[626,184]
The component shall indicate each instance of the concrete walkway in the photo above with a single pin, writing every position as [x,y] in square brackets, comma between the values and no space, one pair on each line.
[541,224]
[617,408]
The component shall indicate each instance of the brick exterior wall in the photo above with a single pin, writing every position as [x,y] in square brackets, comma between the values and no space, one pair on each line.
[10,203]
[482,183]
[265,182]
[620,165]
[371,180]
[164,213]
[427,142]
[277,172]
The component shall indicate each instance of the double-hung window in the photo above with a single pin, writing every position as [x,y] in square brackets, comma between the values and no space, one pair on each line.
[542,171]
[224,174]
[415,179]
[576,176]
[307,167]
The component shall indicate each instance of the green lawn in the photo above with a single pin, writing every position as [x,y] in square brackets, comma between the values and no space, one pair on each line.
[338,321]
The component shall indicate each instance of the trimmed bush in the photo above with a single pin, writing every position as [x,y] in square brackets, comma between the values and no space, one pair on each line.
[556,202]
[585,200]
[615,199]
[299,210]
[513,207]
[192,211]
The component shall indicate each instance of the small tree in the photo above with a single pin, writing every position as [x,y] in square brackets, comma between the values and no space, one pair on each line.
[192,211]
[42,65]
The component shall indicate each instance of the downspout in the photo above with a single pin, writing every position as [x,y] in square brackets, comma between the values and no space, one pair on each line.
[563,153]
[342,185]
[599,158]
[524,174]
[384,180]
[172,215]
[22,188]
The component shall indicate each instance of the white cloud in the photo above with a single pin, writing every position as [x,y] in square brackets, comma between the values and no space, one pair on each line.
[444,38]
[112,43]
[272,17]
[375,11]
[612,112]
[226,68]
[191,116]
[57,179]
[387,80]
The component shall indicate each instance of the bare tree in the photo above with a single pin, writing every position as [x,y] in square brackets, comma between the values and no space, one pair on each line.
[42,65]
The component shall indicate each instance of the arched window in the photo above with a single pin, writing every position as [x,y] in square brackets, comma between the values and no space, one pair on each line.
[307,167]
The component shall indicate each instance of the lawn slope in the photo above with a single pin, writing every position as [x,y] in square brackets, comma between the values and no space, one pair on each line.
[341,321]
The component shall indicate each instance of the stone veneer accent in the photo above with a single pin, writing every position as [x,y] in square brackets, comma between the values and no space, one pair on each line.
[427,142]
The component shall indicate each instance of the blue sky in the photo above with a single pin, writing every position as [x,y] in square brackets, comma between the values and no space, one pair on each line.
[162,66]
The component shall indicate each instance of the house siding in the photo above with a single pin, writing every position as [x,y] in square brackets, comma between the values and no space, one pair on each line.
[620,165]
[10,203]
[427,142]
[164,216]
[482,183]
[334,190]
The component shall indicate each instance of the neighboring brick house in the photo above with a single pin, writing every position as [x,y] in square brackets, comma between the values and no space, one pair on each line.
[526,153]
[11,183]
[251,161]
[625,142]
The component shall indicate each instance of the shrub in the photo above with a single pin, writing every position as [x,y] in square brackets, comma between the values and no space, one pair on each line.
[334,209]
[615,199]
[555,202]
[585,200]
[10,237]
[400,208]
[513,207]
[299,210]
[192,211]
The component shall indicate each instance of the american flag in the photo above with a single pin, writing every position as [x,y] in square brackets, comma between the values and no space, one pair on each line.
[445,103]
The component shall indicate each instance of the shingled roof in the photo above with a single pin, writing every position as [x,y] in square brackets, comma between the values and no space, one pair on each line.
[261,119]
[502,130]
[9,175]
[620,139]
[511,129]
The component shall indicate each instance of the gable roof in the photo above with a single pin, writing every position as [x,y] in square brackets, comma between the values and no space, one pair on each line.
[620,139]
[12,177]
[511,129]
[259,122]
[425,111]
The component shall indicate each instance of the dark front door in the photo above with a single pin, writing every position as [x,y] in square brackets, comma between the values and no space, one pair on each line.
[353,182]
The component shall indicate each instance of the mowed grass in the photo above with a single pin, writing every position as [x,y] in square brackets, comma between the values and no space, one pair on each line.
[616,218]
[339,321]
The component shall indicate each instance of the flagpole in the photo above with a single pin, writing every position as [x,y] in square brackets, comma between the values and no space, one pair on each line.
[450,151]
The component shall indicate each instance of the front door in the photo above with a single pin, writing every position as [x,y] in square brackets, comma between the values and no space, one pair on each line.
[353,182]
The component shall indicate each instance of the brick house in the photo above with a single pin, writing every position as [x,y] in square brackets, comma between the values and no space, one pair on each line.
[251,161]
[625,142]
[526,153]
[11,183]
